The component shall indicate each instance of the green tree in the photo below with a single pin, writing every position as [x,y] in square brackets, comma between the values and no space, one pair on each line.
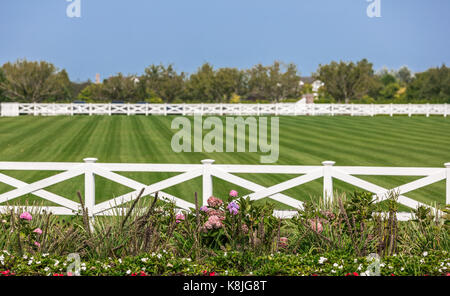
[2,79]
[92,93]
[404,75]
[346,81]
[276,82]
[229,82]
[120,88]
[162,82]
[432,85]
[26,81]
[201,85]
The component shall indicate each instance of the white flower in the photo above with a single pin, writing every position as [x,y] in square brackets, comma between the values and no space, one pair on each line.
[425,254]
[322,260]
[422,261]
[46,269]
[56,263]
[120,261]
[360,267]
[335,265]
[401,269]
[30,262]
[128,271]
[159,256]
[144,260]
[45,255]
[333,271]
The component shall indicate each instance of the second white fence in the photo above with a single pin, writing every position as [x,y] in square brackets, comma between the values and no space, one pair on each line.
[282,109]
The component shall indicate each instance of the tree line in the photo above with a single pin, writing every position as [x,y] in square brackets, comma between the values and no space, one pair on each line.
[344,82]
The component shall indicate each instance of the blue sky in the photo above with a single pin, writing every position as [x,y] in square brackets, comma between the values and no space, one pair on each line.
[126,36]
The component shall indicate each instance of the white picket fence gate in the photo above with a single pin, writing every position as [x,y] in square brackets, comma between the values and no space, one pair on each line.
[89,168]
[282,109]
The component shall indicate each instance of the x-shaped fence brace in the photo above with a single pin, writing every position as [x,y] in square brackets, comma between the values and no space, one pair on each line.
[207,170]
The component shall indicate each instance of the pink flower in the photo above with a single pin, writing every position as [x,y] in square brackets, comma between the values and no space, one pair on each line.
[179,217]
[218,213]
[214,202]
[204,209]
[316,225]
[38,231]
[213,221]
[233,193]
[26,216]
[37,244]
[283,242]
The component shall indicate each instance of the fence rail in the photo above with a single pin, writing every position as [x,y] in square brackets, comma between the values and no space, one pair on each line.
[287,109]
[207,170]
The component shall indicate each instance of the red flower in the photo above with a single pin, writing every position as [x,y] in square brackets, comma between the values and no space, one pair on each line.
[212,273]
[5,273]
[392,274]
[352,274]
[58,274]
[314,274]
[447,274]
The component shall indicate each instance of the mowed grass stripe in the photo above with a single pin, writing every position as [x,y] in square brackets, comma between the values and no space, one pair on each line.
[368,144]
[378,141]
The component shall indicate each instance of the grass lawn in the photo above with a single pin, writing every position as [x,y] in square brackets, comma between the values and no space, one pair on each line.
[378,141]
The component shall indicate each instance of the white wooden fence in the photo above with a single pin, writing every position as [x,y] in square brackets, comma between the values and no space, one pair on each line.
[89,168]
[289,109]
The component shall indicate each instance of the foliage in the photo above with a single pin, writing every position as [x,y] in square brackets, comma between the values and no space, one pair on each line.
[432,85]
[164,263]
[346,81]
[26,81]
[163,83]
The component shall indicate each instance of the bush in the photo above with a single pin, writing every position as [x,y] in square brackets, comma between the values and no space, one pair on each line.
[233,235]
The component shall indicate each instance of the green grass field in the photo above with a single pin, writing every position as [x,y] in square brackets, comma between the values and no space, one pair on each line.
[378,141]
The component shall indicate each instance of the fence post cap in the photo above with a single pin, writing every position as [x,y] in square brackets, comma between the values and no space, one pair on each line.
[90,160]
[208,161]
[329,163]
[447,165]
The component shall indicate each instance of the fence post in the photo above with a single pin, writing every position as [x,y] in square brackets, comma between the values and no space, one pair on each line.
[392,110]
[428,110]
[409,110]
[327,181]
[447,199]
[89,190]
[207,180]
[445,110]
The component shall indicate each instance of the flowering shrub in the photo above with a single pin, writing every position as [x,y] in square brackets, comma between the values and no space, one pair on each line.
[234,236]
